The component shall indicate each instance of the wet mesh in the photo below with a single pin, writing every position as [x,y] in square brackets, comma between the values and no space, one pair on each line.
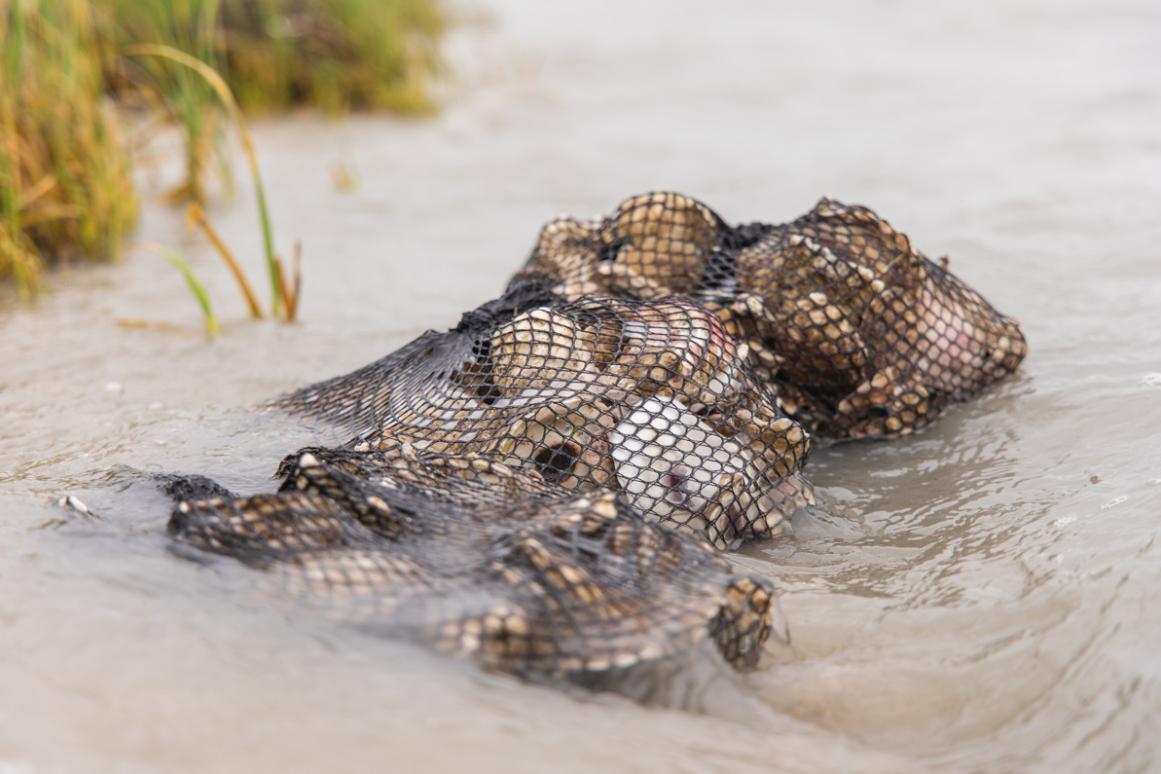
[651,399]
[857,333]
[543,585]
[542,487]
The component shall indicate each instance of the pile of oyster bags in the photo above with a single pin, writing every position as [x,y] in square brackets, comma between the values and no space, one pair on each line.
[548,486]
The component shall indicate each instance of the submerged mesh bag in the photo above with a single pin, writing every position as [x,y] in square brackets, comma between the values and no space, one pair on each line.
[651,399]
[858,333]
[507,492]
[479,559]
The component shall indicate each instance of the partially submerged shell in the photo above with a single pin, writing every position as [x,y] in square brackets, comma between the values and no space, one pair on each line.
[450,425]
[676,469]
[959,348]
[560,587]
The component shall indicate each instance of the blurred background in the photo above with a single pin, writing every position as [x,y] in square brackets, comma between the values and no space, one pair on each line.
[206,203]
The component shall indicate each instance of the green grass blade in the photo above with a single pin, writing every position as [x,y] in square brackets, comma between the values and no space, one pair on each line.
[218,84]
[196,287]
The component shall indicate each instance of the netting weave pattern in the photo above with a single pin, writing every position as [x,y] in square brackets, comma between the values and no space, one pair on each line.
[857,332]
[480,560]
[545,486]
[652,399]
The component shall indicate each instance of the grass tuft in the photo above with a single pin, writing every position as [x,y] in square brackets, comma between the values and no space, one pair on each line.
[189,26]
[65,170]
[195,286]
[219,87]
[65,179]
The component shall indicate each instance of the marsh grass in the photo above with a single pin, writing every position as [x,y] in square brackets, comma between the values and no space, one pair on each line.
[191,27]
[66,189]
[65,169]
[226,96]
[197,218]
[335,55]
[197,289]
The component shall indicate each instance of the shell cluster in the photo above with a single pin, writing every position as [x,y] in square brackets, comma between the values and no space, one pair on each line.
[544,487]
[479,560]
[559,389]
[829,305]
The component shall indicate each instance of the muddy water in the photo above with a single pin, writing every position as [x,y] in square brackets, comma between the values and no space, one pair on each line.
[979,597]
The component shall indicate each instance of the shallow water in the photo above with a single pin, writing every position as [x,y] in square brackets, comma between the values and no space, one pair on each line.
[978,597]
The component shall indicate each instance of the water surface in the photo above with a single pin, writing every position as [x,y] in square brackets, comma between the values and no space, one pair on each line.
[981,596]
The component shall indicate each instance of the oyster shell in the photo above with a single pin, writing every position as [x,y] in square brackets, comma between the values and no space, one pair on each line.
[541,349]
[675,468]
[566,442]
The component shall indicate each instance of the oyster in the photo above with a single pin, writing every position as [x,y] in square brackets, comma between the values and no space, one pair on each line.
[675,468]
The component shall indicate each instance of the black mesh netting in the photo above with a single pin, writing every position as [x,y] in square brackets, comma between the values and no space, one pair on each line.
[480,559]
[858,333]
[542,487]
[652,399]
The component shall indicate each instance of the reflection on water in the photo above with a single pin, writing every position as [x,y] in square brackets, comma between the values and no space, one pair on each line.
[979,596]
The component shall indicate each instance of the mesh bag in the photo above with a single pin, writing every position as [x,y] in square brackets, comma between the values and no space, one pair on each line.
[857,333]
[441,550]
[651,399]
[508,489]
